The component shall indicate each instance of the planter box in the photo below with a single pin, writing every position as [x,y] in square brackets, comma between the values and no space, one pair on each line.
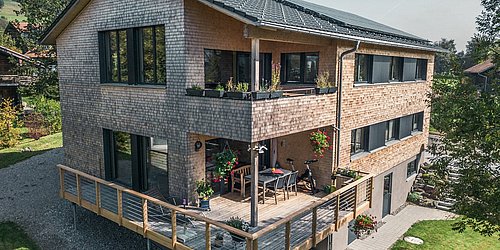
[332,89]
[276,94]
[238,95]
[214,93]
[321,91]
[195,92]
[205,204]
[260,95]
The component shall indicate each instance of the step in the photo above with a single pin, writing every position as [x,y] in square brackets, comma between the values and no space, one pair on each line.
[445,204]
[443,208]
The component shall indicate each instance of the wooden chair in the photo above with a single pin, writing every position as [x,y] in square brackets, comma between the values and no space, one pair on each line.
[238,176]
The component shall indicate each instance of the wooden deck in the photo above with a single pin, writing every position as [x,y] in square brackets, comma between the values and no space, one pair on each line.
[298,223]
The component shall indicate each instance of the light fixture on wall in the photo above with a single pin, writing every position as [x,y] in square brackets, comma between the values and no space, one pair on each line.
[197,146]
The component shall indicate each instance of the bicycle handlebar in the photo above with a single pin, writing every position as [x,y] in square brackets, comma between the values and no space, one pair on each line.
[310,161]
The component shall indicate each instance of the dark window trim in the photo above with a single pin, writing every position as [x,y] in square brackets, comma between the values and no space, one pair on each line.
[414,170]
[395,130]
[401,66]
[364,143]
[369,68]
[303,56]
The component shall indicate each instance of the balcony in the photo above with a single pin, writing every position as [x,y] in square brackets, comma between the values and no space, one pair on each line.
[299,223]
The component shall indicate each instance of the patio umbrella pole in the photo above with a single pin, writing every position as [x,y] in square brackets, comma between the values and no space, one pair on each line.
[254,199]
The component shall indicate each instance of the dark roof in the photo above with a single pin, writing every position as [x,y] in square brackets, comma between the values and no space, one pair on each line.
[481,67]
[305,16]
[293,15]
[7,51]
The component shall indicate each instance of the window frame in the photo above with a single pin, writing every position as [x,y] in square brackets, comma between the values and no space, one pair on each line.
[134,55]
[302,67]
[421,70]
[414,169]
[369,67]
[394,132]
[364,136]
[417,122]
[400,67]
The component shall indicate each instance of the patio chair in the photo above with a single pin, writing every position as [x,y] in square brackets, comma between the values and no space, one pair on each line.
[238,176]
[276,186]
[292,183]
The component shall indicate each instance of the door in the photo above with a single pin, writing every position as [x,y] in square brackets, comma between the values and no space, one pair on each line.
[386,207]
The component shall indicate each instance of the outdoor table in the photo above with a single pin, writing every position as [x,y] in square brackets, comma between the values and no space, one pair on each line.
[266,176]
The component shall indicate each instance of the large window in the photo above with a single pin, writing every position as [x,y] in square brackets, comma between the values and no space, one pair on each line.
[417,121]
[359,140]
[396,69]
[412,167]
[300,67]
[391,130]
[363,68]
[133,56]
[421,71]
[221,65]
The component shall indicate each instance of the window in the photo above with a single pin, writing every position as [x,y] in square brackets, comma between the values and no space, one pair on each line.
[359,140]
[363,68]
[391,130]
[300,67]
[396,69]
[412,167]
[134,56]
[421,71]
[417,122]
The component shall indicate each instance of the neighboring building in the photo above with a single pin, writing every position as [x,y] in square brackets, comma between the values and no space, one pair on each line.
[482,73]
[17,32]
[9,81]
[124,68]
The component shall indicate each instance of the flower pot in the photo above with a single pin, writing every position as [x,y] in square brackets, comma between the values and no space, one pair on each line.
[321,91]
[332,89]
[276,94]
[205,204]
[219,242]
[260,95]
[195,92]
[237,238]
[214,93]
[238,95]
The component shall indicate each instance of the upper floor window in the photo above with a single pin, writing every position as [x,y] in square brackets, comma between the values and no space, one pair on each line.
[134,55]
[362,72]
[417,121]
[391,130]
[300,67]
[359,140]
[421,71]
[396,74]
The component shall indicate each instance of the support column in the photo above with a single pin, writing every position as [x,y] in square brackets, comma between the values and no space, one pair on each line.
[254,171]
[255,64]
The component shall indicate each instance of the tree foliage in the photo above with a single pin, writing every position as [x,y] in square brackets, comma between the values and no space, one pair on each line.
[9,124]
[447,62]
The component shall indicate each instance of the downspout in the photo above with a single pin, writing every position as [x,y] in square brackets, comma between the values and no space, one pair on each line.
[485,80]
[339,103]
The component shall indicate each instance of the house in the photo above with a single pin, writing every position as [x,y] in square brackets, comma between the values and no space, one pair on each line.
[136,143]
[482,73]
[9,80]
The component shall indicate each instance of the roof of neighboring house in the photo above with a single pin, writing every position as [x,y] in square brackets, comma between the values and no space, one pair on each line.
[293,15]
[481,67]
[15,54]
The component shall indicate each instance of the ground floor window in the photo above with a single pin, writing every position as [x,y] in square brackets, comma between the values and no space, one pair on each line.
[135,161]
[412,167]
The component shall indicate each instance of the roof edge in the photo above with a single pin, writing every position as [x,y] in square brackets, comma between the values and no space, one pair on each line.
[69,13]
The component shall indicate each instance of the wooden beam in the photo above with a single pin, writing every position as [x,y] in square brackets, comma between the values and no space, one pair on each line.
[119,202]
[288,229]
[208,244]
[337,212]
[285,36]
[78,190]
[255,67]
[254,171]
[61,182]
[174,228]
[371,192]
[355,200]
[145,216]
[98,197]
[314,225]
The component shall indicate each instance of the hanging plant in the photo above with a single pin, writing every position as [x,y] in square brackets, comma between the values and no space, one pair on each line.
[225,161]
[320,142]
[364,225]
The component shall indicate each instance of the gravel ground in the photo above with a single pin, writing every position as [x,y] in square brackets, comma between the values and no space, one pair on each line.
[29,196]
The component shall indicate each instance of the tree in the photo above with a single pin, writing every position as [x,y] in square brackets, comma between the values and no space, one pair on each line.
[39,15]
[447,62]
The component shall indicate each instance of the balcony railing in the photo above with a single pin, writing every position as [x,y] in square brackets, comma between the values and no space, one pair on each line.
[178,228]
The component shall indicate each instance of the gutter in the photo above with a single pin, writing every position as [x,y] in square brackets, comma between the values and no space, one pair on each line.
[339,104]
[485,80]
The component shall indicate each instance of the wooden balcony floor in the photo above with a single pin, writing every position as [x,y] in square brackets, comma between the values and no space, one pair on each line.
[231,204]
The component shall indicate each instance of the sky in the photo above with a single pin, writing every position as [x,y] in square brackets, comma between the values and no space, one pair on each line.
[428,19]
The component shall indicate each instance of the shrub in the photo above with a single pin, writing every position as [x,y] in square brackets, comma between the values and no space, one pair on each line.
[238,223]
[36,125]
[9,124]
[414,197]
[51,112]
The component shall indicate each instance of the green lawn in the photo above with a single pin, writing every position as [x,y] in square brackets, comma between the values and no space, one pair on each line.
[12,155]
[438,235]
[8,11]
[12,237]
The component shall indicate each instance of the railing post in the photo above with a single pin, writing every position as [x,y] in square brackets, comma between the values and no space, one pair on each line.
[208,244]
[355,201]
[144,217]
[98,197]
[61,182]
[119,204]
[174,229]
[255,244]
[314,225]
[337,212]
[287,235]
[371,191]
[78,190]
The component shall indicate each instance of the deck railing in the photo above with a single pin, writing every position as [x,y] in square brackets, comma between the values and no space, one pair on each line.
[178,228]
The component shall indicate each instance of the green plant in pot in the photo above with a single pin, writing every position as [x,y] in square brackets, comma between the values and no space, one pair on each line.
[204,191]
[275,86]
[225,161]
[218,92]
[238,91]
[240,224]
[364,225]
[329,189]
[195,90]
[262,93]
[323,83]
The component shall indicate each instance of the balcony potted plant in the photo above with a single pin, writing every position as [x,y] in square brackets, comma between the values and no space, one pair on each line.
[320,140]
[238,91]
[195,90]
[218,92]
[240,224]
[323,83]
[263,93]
[364,225]
[225,161]
[204,191]
[275,87]
[219,240]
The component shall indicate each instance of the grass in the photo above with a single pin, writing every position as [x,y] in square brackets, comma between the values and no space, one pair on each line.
[438,234]
[13,237]
[13,155]
[8,11]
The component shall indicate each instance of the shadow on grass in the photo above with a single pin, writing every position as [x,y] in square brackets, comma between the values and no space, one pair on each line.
[10,158]
[13,236]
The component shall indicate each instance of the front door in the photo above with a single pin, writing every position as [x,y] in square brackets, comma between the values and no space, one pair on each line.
[386,207]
